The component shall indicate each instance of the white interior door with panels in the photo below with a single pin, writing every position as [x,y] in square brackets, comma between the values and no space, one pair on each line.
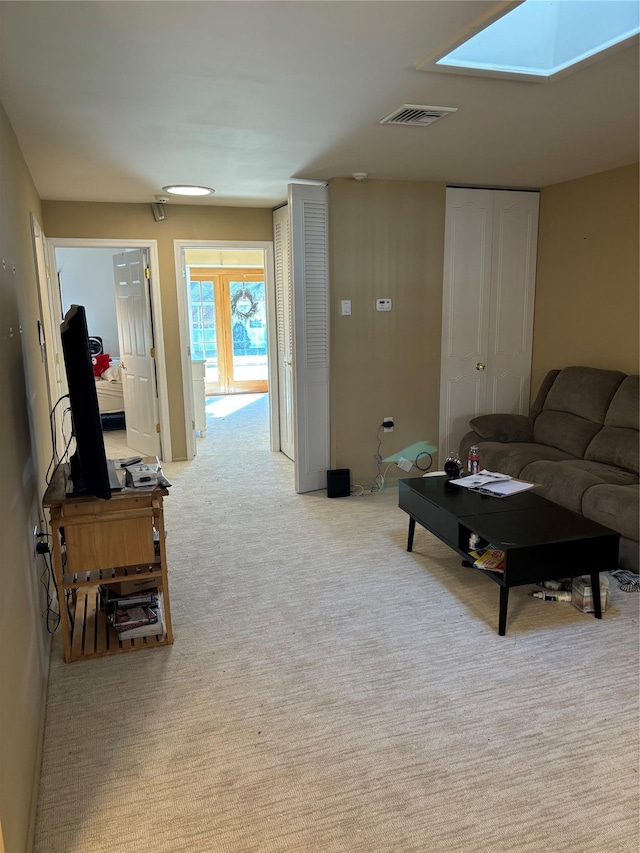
[308,219]
[488,302]
[284,325]
[137,351]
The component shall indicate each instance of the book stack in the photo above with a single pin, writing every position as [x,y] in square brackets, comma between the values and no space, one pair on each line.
[489,559]
[137,614]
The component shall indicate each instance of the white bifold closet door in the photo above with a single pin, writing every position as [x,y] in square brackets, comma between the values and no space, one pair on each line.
[284,325]
[487,310]
[309,269]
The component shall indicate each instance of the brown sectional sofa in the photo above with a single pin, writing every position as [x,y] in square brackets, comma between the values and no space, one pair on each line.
[579,444]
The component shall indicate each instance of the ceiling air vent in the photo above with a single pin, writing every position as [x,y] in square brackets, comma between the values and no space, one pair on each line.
[416,116]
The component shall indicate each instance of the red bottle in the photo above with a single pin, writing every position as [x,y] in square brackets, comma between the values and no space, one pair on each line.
[474,460]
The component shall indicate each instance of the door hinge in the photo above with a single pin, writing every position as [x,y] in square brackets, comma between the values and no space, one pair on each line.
[157,427]
[193,424]
[152,352]
[147,274]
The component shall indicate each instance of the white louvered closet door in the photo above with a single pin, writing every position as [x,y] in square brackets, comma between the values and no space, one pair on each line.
[284,326]
[308,212]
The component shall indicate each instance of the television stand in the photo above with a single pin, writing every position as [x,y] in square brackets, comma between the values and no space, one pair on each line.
[97,543]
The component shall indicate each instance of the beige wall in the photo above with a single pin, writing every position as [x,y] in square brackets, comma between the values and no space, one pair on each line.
[386,240]
[183,222]
[587,277]
[25,450]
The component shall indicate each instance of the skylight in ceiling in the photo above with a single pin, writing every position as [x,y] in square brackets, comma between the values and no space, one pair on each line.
[539,39]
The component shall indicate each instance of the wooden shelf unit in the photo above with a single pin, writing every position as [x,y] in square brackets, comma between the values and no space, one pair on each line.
[98,542]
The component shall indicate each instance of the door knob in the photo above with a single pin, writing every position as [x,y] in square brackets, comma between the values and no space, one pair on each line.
[480,366]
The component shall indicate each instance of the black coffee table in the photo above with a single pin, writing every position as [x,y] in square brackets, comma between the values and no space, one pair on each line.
[541,540]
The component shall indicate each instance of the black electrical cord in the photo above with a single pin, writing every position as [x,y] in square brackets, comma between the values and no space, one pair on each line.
[55,459]
[424,453]
[46,578]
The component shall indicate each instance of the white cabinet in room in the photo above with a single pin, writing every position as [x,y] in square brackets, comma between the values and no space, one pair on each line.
[199,412]
[487,308]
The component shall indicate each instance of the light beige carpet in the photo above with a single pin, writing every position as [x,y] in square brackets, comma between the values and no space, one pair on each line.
[329,692]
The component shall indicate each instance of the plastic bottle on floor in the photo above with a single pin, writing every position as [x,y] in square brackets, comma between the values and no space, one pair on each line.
[552,595]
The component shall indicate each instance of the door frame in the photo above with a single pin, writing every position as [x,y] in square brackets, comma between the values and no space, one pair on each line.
[156,309]
[49,302]
[185,337]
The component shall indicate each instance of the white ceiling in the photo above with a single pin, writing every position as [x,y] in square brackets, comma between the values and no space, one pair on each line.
[112,100]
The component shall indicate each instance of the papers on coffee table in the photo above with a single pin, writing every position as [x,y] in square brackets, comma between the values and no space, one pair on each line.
[493,483]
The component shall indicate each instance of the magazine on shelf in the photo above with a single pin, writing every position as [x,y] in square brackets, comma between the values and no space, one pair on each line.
[110,597]
[125,619]
[151,629]
[492,560]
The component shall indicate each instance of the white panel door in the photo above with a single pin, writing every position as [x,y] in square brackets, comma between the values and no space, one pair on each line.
[308,206]
[465,313]
[488,300]
[513,278]
[135,335]
[284,325]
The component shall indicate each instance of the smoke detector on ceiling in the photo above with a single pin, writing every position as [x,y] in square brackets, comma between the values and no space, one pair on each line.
[360,176]
[162,199]
[416,115]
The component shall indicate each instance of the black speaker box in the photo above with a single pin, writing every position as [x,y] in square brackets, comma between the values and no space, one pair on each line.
[339,483]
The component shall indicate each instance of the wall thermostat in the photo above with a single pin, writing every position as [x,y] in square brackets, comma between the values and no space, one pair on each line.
[383,305]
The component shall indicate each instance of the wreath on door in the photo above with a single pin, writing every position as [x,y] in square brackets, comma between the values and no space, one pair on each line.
[244,305]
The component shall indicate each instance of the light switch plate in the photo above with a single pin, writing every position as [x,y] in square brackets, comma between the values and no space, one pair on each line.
[345,307]
[383,305]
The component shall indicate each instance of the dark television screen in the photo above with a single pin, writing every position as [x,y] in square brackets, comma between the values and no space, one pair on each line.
[88,465]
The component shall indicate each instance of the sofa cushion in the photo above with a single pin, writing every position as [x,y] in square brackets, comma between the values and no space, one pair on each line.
[566,482]
[575,408]
[511,458]
[503,427]
[617,442]
[584,391]
[614,506]
[565,431]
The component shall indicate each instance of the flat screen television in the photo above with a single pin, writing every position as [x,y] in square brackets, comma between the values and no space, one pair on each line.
[89,472]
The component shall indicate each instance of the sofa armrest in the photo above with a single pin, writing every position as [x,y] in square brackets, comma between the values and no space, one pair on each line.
[503,427]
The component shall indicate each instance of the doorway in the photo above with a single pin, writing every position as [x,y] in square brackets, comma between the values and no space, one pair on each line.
[226,314]
[86,276]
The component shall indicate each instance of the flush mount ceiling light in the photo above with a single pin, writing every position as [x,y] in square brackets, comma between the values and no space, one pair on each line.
[188,189]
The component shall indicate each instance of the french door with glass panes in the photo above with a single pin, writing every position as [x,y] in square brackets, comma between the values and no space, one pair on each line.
[229,328]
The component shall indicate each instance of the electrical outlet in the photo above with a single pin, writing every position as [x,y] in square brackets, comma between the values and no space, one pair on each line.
[387,424]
